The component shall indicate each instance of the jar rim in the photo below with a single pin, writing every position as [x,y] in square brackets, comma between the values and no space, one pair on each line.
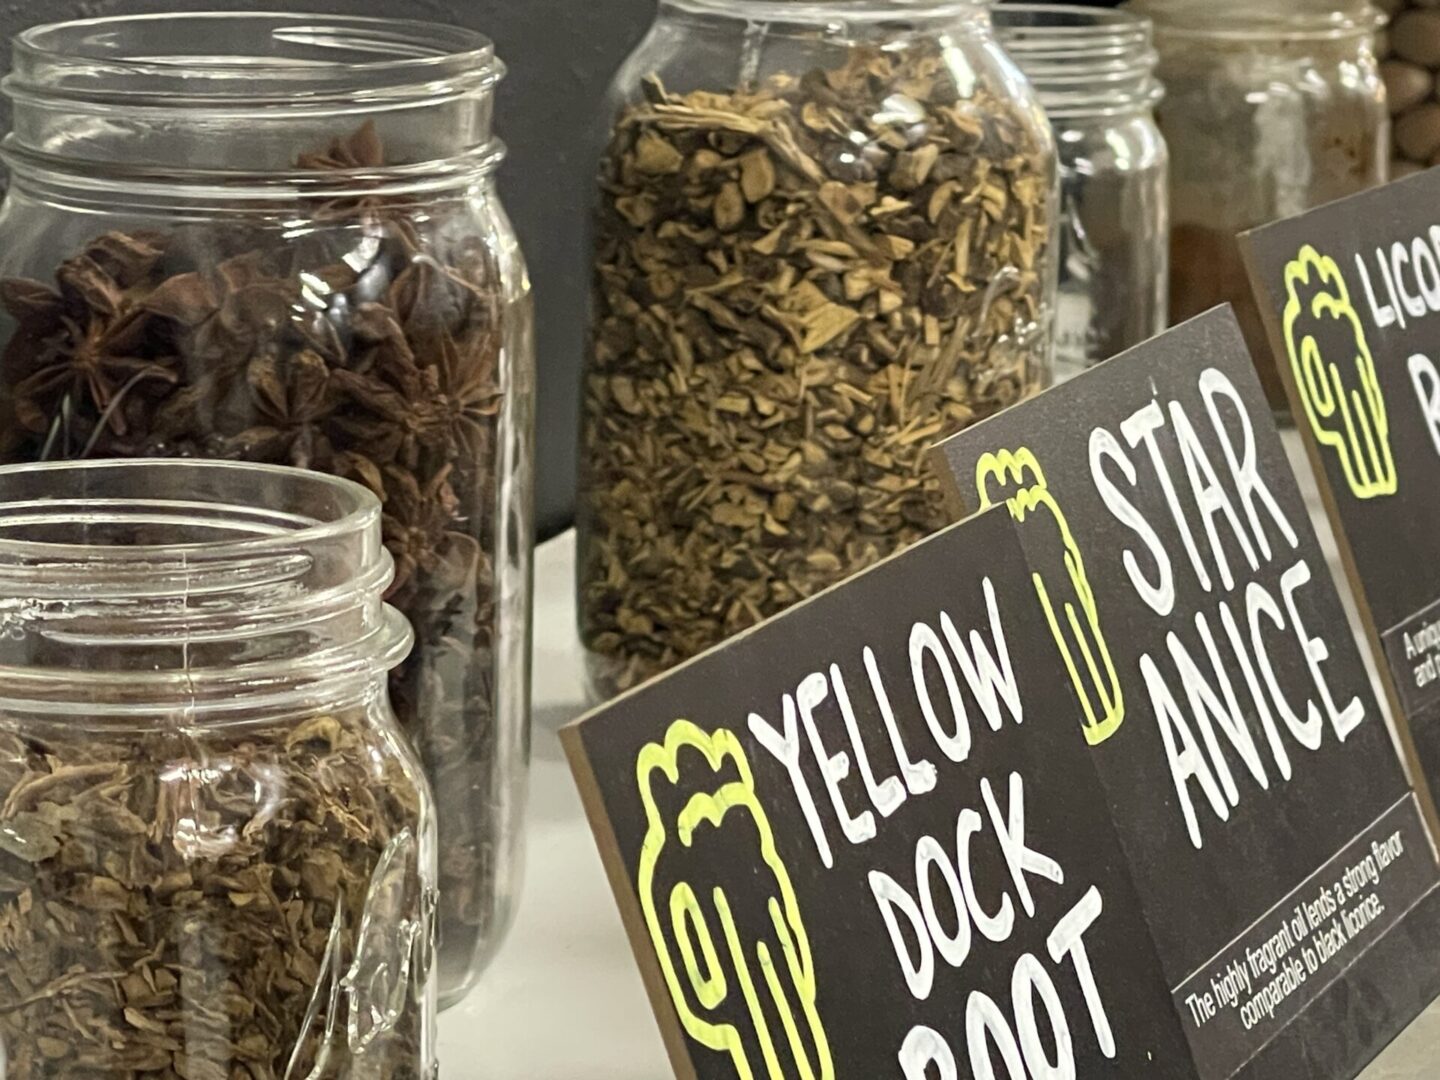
[824,12]
[219,588]
[83,88]
[314,57]
[361,508]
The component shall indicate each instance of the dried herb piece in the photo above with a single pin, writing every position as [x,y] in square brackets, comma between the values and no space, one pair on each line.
[210,904]
[373,347]
[798,287]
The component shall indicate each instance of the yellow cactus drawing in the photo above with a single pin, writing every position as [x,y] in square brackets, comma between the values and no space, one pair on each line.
[745,990]
[1069,603]
[1341,391]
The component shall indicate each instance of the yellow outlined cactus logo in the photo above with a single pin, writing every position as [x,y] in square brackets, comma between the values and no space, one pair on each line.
[1074,622]
[692,928]
[1350,419]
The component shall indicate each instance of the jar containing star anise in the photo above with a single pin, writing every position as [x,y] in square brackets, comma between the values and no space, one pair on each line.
[276,239]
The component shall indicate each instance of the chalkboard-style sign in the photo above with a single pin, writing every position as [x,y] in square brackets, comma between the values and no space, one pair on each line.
[865,841]
[1351,297]
[1278,851]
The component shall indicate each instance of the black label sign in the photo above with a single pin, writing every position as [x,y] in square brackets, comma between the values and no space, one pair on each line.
[1309,939]
[865,840]
[1351,296]
[1229,712]
[1412,651]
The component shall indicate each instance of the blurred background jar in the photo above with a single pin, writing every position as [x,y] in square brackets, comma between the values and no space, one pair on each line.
[1410,51]
[217,849]
[1271,107]
[824,239]
[276,239]
[1094,71]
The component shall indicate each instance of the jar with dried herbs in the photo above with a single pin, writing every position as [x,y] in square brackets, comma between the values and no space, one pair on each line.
[217,850]
[824,239]
[276,239]
[1271,108]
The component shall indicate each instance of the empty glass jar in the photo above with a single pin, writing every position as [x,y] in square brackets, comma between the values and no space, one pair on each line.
[217,850]
[276,238]
[824,239]
[1094,71]
[1271,107]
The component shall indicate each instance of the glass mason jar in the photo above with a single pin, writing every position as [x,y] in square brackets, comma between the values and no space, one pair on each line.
[217,850]
[276,239]
[1094,71]
[1272,107]
[824,239]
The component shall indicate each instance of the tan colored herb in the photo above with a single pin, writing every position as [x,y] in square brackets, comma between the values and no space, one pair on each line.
[209,905]
[798,288]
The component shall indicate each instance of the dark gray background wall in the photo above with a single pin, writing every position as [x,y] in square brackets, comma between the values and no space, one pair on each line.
[561,55]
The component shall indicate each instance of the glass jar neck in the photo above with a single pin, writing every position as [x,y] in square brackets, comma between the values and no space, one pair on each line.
[1082,62]
[1257,22]
[253,103]
[189,588]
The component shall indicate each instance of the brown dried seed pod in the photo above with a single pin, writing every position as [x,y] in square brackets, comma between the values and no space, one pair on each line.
[1415,36]
[1406,85]
[1417,133]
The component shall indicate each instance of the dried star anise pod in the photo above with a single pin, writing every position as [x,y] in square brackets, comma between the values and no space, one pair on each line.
[360,149]
[292,398]
[91,340]
[417,524]
[469,392]
[398,418]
